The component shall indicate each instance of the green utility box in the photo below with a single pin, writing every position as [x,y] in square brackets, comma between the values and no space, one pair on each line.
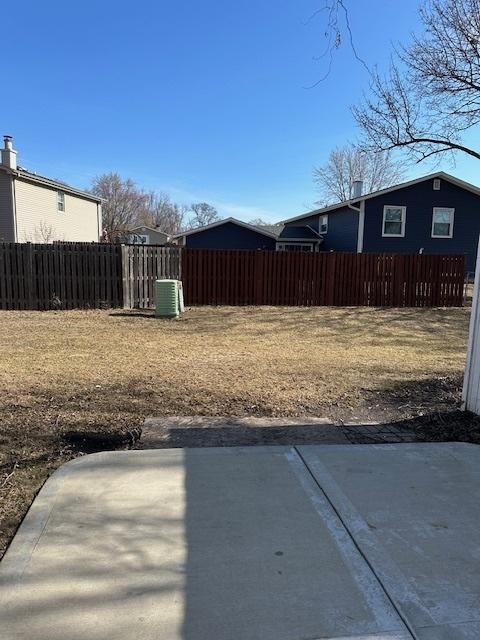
[168,298]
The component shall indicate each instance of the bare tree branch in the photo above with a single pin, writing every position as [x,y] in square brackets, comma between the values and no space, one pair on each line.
[337,29]
[160,212]
[346,164]
[123,203]
[431,95]
[202,214]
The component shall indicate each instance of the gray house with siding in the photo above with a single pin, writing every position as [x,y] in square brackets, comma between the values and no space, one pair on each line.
[146,235]
[435,214]
[34,208]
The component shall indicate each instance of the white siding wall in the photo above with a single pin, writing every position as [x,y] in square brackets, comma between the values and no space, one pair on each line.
[37,215]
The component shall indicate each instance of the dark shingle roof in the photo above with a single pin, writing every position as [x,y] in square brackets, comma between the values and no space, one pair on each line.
[299,233]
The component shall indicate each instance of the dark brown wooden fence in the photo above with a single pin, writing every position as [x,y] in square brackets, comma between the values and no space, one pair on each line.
[142,265]
[60,276]
[336,279]
[88,276]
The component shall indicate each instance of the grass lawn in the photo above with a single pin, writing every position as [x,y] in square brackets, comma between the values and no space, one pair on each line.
[70,372]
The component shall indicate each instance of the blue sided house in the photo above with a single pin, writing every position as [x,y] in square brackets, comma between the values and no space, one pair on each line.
[229,234]
[435,214]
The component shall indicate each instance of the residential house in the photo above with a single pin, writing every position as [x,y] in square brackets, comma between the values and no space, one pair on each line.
[147,235]
[38,209]
[228,234]
[435,214]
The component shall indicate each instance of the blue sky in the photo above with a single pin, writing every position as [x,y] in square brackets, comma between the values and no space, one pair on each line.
[206,100]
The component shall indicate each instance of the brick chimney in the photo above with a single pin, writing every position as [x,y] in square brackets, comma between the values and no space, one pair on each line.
[9,155]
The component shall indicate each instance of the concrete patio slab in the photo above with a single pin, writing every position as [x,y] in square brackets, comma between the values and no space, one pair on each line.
[198,544]
[246,543]
[414,512]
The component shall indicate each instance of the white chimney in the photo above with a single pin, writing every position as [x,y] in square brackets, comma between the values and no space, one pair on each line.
[357,188]
[9,155]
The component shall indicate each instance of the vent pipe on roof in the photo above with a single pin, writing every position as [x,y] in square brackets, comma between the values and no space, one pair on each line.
[9,155]
[357,188]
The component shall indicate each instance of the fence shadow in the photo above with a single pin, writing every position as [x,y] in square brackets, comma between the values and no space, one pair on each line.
[134,313]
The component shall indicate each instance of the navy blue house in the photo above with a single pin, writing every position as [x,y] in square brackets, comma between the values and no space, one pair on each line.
[228,234]
[435,214]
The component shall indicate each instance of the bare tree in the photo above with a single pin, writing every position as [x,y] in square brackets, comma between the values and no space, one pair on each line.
[346,164]
[44,232]
[259,222]
[431,95]
[122,206]
[161,212]
[203,213]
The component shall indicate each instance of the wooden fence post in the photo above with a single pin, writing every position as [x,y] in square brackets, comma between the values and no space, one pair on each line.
[126,278]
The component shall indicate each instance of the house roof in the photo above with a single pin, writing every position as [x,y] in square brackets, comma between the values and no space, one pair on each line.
[367,196]
[218,223]
[276,229]
[144,226]
[22,174]
[299,233]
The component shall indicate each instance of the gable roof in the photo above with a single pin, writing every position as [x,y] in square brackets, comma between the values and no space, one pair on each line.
[144,226]
[367,196]
[218,223]
[23,174]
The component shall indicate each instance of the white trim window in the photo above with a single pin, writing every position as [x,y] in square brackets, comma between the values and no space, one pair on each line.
[295,246]
[393,225]
[442,222]
[60,201]
[323,224]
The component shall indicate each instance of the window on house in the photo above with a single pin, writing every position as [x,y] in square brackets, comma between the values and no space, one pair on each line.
[60,201]
[442,222]
[138,238]
[323,224]
[394,221]
[294,247]
[436,184]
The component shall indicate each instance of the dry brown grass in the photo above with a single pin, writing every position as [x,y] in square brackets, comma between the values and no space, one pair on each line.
[82,371]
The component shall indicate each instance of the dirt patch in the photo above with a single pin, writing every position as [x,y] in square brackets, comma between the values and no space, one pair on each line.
[80,442]
[451,426]
[73,382]
[422,397]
